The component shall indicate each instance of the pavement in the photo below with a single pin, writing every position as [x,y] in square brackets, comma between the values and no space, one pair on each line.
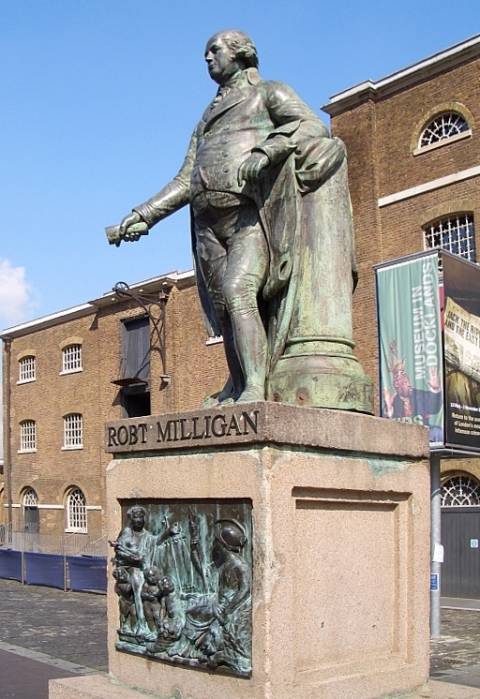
[46,633]
[455,655]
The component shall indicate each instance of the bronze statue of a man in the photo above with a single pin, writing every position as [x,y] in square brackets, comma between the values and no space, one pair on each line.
[256,153]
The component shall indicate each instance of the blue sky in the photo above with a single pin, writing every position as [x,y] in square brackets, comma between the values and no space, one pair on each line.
[98,99]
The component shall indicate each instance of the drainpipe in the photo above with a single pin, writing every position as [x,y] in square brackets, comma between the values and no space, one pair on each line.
[7,430]
[435,542]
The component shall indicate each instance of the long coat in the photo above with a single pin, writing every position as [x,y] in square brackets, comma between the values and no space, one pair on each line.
[266,117]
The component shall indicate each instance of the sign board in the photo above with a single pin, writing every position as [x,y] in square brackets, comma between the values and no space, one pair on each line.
[429,346]
[410,343]
[462,352]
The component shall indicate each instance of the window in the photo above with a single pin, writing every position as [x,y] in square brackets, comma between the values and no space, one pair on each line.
[30,498]
[28,435]
[455,234]
[26,369]
[31,523]
[71,359]
[461,490]
[73,431]
[444,126]
[76,511]
[135,367]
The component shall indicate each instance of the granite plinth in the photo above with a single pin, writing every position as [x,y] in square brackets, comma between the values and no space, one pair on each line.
[101,687]
[340,506]
[264,423]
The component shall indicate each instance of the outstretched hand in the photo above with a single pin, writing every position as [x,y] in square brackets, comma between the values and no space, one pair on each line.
[130,220]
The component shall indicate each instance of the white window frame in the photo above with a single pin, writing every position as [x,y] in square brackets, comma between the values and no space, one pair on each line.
[30,498]
[72,359]
[464,229]
[468,491]
[442,140]
[72,431]
[76,511]
[28,437]
[27,369]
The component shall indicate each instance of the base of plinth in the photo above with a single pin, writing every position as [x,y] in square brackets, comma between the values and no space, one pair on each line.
[321,381]
[103,687]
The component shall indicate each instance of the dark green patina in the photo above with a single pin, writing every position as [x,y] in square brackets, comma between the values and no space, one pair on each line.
[183,573]
[272,237]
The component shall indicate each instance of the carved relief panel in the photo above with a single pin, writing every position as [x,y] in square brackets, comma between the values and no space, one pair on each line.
[183,572]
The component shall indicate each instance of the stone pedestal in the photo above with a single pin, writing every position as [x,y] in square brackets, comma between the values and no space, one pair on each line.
[340,507]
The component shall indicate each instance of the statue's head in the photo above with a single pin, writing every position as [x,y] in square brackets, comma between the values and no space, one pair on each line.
[152,575]
[120,575]
[167,585]
[229,535]
[228,52]
[137,516]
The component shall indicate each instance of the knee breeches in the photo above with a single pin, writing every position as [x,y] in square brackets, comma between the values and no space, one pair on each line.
[232,252]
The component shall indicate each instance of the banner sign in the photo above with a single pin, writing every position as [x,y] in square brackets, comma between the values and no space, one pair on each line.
[410,343]
[462,352]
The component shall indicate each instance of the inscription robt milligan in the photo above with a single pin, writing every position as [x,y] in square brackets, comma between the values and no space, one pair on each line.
[165,431]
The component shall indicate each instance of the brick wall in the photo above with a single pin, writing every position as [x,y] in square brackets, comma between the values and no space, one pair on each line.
[196,370]
[381,137]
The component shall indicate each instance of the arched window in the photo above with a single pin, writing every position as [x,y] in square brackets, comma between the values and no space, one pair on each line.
[27,369]
[444,126]
[28,435]
[30,498]
[454,233]
[73,431]
[76,511]
[461,490]
[71,358]
[30,511]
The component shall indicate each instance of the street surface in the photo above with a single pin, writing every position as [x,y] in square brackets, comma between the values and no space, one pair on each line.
[47,633]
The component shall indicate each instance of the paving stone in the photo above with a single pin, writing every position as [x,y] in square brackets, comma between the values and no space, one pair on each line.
[67,625]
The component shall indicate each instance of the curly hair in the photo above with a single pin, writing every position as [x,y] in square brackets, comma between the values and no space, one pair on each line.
[139,508]
[242,46]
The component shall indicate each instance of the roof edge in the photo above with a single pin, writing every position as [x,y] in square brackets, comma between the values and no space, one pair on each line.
[180,279]
[406,77]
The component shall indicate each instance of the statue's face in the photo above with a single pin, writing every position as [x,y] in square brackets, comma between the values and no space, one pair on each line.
[221,61]
[137,519]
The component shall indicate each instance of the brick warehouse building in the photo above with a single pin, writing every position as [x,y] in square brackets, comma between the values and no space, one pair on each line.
[414,165]
[414,169]
[58,393]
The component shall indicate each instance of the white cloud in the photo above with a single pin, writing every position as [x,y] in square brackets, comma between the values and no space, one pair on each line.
[16,305]
[15,294]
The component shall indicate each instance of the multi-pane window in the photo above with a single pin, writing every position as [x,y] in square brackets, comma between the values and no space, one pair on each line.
[461,491]
[455,234]
[31,520]
[28,435]
[30,498]
[72,358]
[76,511]
[27,369]
[444,126]
[73,431]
